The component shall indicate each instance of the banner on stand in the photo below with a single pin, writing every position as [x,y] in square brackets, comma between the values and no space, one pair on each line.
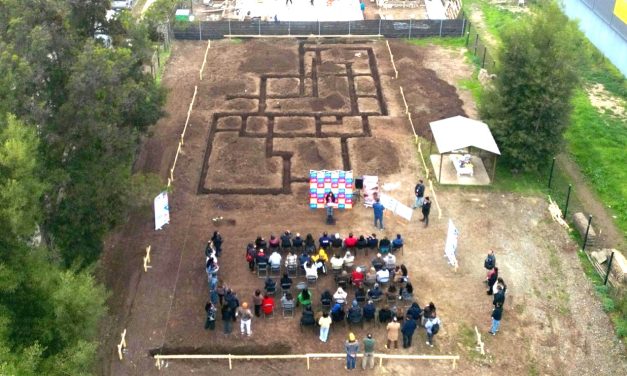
[450,249]
[325,181]
[162,210]
[371,186]
[398,208]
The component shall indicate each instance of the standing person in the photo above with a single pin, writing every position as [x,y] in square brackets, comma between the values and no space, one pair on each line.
[432,327]
[352,348]
[408,329]
[227,318]
[257,300]
[245,317]
[489,263]
[378,209]
[210,322]
[492,280]
[420,194]
[497,314]
[325,325]
[329,203]
[368,352]
[499,296]
[362,6]
[426,209]
[251,254]
[216,239]
[392,333]
[221,290]
[428,312]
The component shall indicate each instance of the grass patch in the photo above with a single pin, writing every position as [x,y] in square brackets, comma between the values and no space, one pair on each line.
[451,42]
[613,301]
[597,143]
[164,56]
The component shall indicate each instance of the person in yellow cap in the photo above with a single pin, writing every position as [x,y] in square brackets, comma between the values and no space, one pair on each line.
[245,316]
[352,348]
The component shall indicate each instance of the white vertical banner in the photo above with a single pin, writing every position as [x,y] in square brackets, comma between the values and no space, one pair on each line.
[162,210]
[450,249]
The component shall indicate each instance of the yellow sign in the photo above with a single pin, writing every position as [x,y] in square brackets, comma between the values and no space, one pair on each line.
[620,10]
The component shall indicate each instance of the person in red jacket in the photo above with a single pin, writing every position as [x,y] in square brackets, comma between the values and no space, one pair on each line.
[357,277]
[267,304]
[350,242]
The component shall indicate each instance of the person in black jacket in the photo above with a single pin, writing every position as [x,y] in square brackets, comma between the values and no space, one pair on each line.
[407,329]
[497,314]
[227,318]
[369,310]
[385,314]
[499,297]
[426,209]
[326,298]
[307,319]
[420,192]
[414,312]
[216,239]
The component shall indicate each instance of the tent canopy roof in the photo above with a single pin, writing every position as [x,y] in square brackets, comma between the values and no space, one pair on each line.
[460,132]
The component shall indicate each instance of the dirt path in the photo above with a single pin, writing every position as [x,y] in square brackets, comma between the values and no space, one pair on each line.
[609,234]
[476,17]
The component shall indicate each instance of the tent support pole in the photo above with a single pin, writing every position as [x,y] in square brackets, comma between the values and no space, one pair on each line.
[440,173]
[494,167]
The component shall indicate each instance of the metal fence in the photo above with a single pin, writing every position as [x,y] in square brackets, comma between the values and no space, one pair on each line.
[385,28]
[478,48]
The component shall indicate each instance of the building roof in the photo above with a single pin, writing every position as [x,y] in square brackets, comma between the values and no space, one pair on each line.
[460,132]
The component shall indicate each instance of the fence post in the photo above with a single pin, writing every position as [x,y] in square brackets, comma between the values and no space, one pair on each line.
[463,28]
[468,33]
[379,26]
[570,187]
[609,269]
[551,173]
[318,27]
[259,26]
[409,37]
[585,238]
[289,27]
[230,33]
[441,22]
[485,49]
[476,41]
[199,30]
[349,27]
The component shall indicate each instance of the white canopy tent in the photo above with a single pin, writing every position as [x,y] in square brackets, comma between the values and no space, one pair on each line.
[460,132]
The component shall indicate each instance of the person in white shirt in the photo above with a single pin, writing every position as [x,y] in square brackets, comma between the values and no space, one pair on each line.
[291,260]
[390,261]
[383,276]
[275,259]
[340,296]
[337,262]
[349,260]
[311,270]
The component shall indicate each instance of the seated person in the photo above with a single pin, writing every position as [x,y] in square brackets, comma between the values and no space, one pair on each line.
[340,296]
[291,261]
[304,298]
[375,292]
[324,241]
[397,243]
[311,270]
[354,313]
[320,259]
[275,259]
[373,242]
[349,259]
[261,257]
[326,298]
[303,258]
[377,262]
[383,276]
[343,280]
[385,245]
[337,313]
[267,304]
[286,240]
[360,295]
[270,285]
[350,242]
[398,275]
[391,294]
[337,262]
[362,243]
[307,319]
[310,244]
[287,301]
[260,243]
[369,310]
[337,241]
[357,277]
[407,292]
[286,282]
[385,314]
[274,242]
[390,261]
[297,242]
[371,277]
[415,312]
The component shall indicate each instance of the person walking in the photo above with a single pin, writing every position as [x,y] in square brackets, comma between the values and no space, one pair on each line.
[325,324]
[499,296]
[210,322]
[368,352]
[419,191]
[497,314]
[352,348]
[408,329]
[217,241]
[494,276]
[246,317]
[227,318]
[426,209]
[432,327]
[489,263]
[378,209]
[392,333]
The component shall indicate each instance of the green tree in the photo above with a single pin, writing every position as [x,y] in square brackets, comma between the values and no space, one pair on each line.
[529,106]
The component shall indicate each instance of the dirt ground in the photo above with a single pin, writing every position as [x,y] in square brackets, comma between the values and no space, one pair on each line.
[243,163]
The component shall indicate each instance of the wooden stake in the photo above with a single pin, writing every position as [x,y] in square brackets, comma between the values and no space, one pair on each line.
[147,259]
[122,345]
[392,59]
